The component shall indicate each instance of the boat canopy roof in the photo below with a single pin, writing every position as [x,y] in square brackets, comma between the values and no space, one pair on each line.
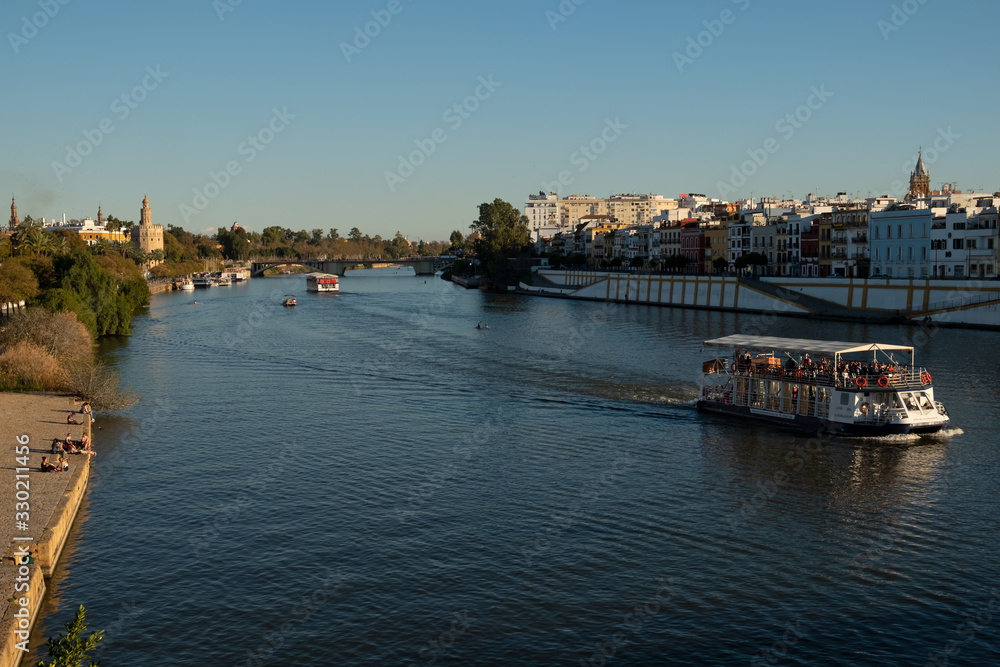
[820,347]
[321,275]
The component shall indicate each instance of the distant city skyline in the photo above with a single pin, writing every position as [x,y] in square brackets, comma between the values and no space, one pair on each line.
[395,116]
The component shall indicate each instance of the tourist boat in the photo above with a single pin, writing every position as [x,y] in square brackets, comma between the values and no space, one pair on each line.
[186,284]
[322,282]
[289,300]
[853,389]
[224,281]
[236,275]
[203,280]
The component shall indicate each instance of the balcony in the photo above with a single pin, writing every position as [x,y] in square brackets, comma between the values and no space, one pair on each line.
[860,238]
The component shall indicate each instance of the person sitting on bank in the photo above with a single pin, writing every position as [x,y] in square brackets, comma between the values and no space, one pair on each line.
[46,466]
[68,445]
[85,410]
[85,446]
[56,446]
[71,419]
[61,464]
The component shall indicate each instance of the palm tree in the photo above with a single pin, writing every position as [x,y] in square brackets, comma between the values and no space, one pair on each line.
[103,247]
[32,238]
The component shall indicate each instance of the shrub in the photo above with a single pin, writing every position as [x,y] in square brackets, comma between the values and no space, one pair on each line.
[30,367]
[59,334]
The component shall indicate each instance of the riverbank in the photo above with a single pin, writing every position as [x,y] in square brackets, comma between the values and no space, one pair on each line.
[51,500]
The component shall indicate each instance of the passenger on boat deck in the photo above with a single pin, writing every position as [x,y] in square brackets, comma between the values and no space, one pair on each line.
[71,419]
[46,466]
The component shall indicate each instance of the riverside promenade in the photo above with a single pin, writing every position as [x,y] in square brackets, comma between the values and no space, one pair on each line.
[51,506]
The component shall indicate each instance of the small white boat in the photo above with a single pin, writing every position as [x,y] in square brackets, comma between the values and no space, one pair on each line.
[853,389]
[224,281]
[322,282]
[289,300]
[187,285]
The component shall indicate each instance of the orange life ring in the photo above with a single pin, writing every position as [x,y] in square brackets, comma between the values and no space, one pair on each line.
[923,378]
[883,381]
[929,380]
[865,407]
[861,382]
[798,373]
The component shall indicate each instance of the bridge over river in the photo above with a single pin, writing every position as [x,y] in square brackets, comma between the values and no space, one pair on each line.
[424,266]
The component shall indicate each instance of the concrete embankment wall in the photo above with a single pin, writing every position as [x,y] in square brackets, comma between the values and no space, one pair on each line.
[43,523]
[958,303]
[714,292]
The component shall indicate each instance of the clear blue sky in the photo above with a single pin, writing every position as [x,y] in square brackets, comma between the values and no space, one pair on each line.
[893,90]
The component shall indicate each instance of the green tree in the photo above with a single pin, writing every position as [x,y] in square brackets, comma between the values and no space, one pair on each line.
[457,239]
[355,235]
[72,648]
[272,236]
[17,281]
[503,233]
[720,264]
[317,237]
[334,235]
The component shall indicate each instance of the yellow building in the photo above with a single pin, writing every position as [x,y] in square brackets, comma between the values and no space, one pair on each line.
[92,232]
[716,244]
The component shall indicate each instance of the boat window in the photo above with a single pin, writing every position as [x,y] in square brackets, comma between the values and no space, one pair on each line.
[845,398]
[925,403]
[910,403]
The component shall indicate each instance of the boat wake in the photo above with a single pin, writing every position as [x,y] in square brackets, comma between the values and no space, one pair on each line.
[913,438]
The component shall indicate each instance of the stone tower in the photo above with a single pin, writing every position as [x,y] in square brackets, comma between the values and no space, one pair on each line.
[920,181]
[146,236]
[14,222]
[100,216]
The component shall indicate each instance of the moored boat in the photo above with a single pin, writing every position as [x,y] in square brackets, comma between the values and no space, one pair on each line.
[186,284]
[322,282]
[203,280]
[236,275]
[853,389]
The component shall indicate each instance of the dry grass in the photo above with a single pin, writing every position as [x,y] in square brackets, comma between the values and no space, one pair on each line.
[41,351]
[60,334]
[30,367]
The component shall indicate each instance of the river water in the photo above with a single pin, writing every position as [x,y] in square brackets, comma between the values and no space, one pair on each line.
[368,479]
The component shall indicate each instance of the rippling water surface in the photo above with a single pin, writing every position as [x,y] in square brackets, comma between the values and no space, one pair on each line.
[368,479]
